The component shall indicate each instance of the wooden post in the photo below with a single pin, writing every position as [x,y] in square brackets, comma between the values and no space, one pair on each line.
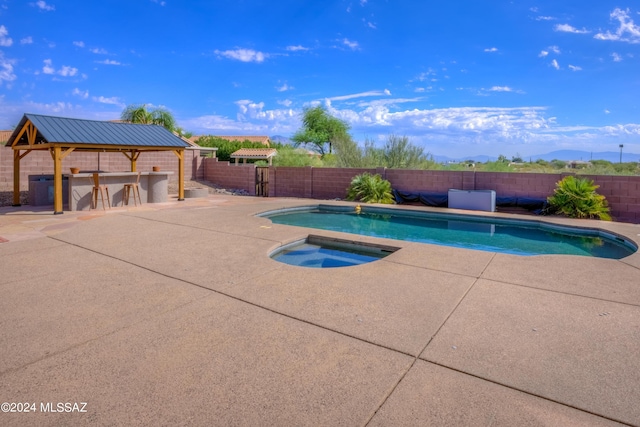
[58,155]
[57,180]
[16,178]
[180,154]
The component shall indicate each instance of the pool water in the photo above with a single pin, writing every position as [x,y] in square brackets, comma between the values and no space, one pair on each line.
[324,252]
[517,237]
[308,255]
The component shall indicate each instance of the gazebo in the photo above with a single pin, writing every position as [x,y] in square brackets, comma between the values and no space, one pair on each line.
[61,136]
[254,154]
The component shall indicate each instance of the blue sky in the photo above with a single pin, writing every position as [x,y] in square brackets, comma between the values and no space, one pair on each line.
[461,78]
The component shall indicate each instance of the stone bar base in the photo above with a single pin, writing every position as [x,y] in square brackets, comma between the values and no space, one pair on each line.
[154,188]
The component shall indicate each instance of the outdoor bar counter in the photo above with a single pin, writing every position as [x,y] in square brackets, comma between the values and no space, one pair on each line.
[154,188]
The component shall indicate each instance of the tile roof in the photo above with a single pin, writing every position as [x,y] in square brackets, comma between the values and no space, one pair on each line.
[265,140]
[254,153]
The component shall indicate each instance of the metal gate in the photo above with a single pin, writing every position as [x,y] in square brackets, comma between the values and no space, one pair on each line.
[262,181]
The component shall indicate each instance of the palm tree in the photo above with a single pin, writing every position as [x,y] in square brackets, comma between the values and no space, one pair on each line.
[139,114]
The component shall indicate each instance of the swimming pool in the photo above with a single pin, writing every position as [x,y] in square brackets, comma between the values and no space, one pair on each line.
[518,237]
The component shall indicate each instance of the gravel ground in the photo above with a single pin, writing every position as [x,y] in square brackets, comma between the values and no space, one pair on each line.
[6,194]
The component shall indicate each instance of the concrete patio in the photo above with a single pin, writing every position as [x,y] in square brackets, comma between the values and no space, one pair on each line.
[173,314]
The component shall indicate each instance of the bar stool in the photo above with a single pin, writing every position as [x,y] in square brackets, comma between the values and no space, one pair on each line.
[135,186]
[101,189]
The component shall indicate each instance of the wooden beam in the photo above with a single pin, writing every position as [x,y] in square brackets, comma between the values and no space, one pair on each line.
[133,158]
[24,129]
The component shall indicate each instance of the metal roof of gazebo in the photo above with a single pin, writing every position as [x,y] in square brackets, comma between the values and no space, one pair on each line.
[61,136]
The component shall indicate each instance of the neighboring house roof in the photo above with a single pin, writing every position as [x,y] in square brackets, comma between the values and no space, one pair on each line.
[240,138]
[254,153]
[92,132]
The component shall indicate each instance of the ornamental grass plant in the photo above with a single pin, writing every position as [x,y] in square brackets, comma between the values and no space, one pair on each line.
[369,188]
[577,198]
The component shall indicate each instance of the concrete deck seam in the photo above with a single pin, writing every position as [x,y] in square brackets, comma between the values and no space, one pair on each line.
[471,276]
[548,399]
[393,389]
[629,264]
[235,298]
[560,292]
[201,228]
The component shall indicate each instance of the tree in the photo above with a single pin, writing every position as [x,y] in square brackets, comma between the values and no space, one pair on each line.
[319,128]
[348,154]
[399,153]
[139,114]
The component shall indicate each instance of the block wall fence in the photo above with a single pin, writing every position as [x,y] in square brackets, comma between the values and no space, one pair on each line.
[40,163]
[622,192]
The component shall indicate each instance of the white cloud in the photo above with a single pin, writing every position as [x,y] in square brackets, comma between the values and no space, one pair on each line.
[6,69]
[296,48]
[555,49]
[114,100]
[385,92]
[67,71]
[26,40]
[500,89]
[607,111]
[244,55]
[160,2]
[285,102]
[545,18]
[42,5]
[627,30]
[426,75]
[79,44]
[555,64]
[84,94]
[371,25]
[108,62]
[47,68]
[4,40]
[616,57]
[98,50]
[543,53]
[480,129]
[566,28]
[351,44]
[253,116]
[575,68]
[285,87]
[491,49]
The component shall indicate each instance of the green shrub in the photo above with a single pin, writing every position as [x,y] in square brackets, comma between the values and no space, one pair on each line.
[295,157]
[226,147]
[370,189]
[577,198]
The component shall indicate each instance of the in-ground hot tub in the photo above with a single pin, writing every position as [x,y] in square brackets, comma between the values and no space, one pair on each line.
[325,252]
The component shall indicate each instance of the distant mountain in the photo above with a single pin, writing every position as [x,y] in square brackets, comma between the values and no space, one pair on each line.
[281,139]
[565,155]
[479,159]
